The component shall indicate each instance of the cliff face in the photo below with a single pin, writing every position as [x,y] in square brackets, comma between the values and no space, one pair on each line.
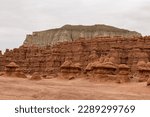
[49,59]
[73,32]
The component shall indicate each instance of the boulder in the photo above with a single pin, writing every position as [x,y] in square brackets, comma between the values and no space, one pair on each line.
[36,76]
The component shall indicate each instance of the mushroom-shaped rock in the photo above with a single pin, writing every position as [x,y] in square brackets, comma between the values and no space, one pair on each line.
[123,69]
[36,76]
[105,68]
[123,66]
[75,68]
[141,64]
[12,65]
[144,71]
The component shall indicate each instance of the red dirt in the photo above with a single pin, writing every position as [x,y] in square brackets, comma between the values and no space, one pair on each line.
[77,89]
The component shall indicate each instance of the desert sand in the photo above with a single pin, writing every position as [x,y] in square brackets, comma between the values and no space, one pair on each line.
[76,89]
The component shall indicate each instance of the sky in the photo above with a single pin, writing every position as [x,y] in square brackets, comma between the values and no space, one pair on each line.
[21,17]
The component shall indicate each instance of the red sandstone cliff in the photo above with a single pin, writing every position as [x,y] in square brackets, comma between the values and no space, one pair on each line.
[49,59]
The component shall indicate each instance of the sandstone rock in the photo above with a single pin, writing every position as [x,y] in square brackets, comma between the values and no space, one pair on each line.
[49,77]
[44,76]
[12,70]
[71,78]
[148,82]
[36,76]
[148,64]
[20,75]
[123,73]
[102,71]
[123,69]
[51,59]
[2,73]
[144,71]
[141,64]
[93,56]
[70,69]
[11,66]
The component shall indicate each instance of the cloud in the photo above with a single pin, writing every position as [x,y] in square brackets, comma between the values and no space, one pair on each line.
[20,17]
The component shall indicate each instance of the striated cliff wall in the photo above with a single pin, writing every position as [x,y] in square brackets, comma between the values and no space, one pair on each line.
[48,59]
[73,32]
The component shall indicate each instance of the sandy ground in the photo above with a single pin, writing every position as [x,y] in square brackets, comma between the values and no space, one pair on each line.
[47,89]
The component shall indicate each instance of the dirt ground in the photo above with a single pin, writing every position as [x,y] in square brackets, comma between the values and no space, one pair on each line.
[77,89]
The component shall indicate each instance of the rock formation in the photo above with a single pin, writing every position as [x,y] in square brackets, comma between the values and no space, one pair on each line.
[103,69]
[12,70]
[73,32]
[123,73]
[35,76]
[144,71]
[70,69]
[11,67]
[148,82]
[47,60]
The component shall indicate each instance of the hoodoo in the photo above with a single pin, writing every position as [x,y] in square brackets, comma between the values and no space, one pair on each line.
[78,62]
[95,51]
[12,69]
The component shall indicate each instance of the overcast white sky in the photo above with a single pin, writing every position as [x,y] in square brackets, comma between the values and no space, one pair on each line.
[21,17]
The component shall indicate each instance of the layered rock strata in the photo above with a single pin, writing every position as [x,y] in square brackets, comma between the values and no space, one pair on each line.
[73,32]
[49,59]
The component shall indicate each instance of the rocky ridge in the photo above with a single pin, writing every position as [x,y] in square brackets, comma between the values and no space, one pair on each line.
[73,32]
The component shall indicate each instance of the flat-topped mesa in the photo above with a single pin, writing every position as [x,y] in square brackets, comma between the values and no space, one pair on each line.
[74,32]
